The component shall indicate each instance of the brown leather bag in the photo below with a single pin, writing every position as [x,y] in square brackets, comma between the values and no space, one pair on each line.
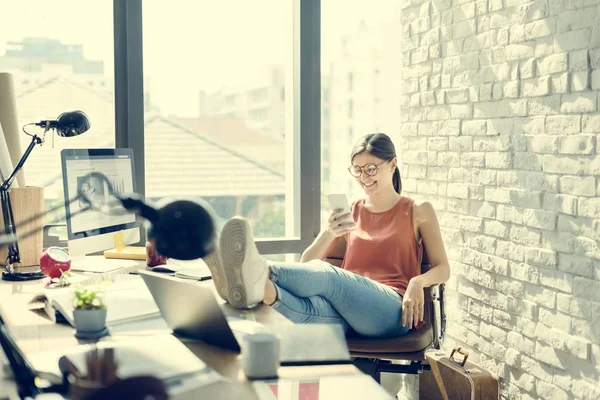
[454,378]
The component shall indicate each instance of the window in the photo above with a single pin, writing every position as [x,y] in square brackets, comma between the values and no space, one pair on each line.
[244,156]
[357,57]
[57,67]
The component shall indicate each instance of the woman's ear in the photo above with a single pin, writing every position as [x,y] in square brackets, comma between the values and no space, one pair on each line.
[394,163]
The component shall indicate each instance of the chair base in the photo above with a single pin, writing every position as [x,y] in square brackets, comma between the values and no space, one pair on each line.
[375,366]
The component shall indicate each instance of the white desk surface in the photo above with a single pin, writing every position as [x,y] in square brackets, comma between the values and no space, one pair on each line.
[34,332]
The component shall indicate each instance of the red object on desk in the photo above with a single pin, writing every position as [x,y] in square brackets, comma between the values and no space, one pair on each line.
[153,258]
[54,261]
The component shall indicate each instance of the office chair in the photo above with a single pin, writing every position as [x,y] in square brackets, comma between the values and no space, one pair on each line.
[374,356]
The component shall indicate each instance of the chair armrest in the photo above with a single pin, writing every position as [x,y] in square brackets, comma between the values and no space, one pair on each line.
[437,297]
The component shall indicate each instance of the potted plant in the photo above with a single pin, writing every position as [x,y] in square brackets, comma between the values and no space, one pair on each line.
[89,312]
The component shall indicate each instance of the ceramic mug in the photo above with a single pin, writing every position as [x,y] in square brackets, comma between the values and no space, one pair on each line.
[260,355]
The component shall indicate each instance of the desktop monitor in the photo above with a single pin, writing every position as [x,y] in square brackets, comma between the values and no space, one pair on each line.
[92,231]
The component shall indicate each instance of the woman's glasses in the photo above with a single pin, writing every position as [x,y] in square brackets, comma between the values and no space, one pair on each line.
[369,169]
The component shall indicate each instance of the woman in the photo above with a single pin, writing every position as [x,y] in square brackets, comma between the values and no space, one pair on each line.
[378,289]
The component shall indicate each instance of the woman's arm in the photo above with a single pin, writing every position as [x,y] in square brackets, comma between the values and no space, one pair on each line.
[319,246]
[338,226]
[429,229]
[413,303]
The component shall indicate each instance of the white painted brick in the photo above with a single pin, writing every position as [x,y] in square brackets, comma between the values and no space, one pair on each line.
[525,327]
[526,198]
[510,251]
[496,228]
[585,390]
[585,288]
[539,181]
[575,265]
[522,308]
[528,161]
[559,83]
[537,369]
[481,278]
[473,159]
[573,40]
[460,191]
[513,358]
[563,124]
[579,103]
[476,192]
[544,47]
[510,287]
[563,165]
[576,19]
[524,272]
[511,89]
[502,108]
[539,28]
[498,195]
[540,219]
[437,143]
[527,68]
[464,29]
[595,79]
[544,105]
[553,64]
[542,144]
[521,379]
[541,257]
[561,203]
[471,224]
[580,81]
[461,111]
[589,207]
[579,60]
[525,236]
[485,92]
[556,280]
[498,160]
[509,213]
[583,329]
[475,127]
[492,332]
[482,243]
[586,247]
[577,185]
[595,58]
[536,87]
[580,144]
[531,11]
[580,308]
[483,177]
[540,295]
[548,391]
[530,125]
[508,178]
[552,357]
[449,159]
[472,60]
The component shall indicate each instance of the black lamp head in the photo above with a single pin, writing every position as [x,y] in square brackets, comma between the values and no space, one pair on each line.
[72,123]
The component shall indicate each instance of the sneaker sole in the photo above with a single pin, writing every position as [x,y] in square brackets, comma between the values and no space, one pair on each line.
[233,246]
[215,266]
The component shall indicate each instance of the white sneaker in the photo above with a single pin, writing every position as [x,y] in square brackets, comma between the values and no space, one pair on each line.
[245,270]
[214,263]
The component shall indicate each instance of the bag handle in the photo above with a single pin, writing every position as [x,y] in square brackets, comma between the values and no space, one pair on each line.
[461,351]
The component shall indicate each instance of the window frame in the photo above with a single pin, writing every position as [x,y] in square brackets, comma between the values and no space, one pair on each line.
[306,174]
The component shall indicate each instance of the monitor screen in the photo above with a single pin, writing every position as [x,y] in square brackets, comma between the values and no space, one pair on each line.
[117,166]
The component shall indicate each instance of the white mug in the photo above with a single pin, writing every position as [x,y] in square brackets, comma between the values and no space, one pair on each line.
[260,355]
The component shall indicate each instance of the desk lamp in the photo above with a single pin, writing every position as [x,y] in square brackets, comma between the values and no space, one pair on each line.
[68,124]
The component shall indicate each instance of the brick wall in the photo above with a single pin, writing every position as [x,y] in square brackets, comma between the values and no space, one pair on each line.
[501,133]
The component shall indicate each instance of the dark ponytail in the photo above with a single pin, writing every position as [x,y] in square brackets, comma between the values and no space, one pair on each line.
[397,181]
[381,146]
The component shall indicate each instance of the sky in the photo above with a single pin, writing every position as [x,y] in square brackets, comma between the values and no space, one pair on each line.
[189,45]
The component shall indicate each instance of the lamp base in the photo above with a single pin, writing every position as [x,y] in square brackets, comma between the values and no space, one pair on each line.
[22,276]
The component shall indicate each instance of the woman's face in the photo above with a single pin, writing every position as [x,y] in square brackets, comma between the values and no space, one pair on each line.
[381,172]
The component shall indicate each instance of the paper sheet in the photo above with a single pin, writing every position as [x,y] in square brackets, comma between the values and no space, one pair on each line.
[6,166]
[9,122]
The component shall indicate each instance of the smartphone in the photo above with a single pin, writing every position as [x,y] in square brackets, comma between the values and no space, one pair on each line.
[339,201]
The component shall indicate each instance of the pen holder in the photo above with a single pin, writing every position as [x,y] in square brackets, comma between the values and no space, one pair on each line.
[26,203]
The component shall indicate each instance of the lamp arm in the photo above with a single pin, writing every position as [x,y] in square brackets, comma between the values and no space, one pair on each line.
[34,140]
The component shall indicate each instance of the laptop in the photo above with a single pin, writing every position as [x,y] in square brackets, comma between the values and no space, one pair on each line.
[192,311]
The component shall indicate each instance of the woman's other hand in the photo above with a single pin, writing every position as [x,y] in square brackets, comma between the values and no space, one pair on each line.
[340,223]
[413,303]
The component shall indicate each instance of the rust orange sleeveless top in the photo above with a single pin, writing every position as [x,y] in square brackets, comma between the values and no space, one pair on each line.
[383,246]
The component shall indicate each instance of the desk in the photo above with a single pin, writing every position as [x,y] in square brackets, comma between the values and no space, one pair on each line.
[33,332]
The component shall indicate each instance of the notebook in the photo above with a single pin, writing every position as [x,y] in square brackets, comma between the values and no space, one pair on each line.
[194,269]
[126,300]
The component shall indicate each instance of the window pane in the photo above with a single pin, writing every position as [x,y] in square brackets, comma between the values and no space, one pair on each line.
[218,125]
[59,61]
[361,65]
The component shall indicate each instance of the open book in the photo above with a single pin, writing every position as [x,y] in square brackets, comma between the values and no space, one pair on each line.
[126,300]
[193,269]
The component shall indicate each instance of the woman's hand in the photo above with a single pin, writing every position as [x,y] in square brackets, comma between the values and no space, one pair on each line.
[340,224]
[413,303]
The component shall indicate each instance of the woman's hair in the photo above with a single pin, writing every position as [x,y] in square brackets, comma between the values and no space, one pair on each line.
[379,145]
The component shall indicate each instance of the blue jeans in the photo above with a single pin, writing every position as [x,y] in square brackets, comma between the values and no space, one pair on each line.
[318,292]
